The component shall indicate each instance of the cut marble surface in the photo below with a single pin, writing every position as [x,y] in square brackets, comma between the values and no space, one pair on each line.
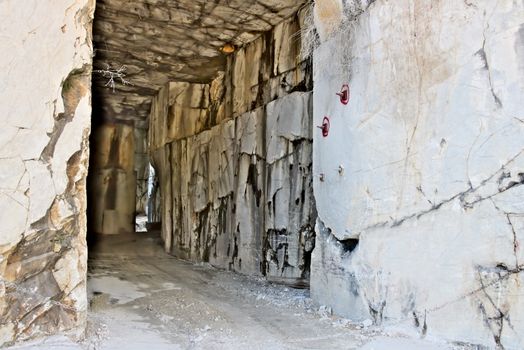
[423,228]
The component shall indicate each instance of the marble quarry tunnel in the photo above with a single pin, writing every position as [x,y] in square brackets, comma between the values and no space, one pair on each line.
[274,174]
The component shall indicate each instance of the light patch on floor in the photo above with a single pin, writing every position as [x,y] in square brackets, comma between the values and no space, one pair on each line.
[119,291]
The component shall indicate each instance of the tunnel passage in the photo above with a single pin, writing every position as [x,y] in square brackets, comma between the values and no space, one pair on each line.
[215,100]
[421,160]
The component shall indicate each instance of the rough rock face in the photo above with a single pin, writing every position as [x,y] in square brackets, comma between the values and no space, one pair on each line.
[159,41]
[234,161]
[420,206]
[45,111]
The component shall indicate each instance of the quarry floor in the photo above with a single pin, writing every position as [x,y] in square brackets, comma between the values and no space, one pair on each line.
[143,298]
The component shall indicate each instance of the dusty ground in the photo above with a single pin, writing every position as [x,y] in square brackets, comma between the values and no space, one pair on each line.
[142,298]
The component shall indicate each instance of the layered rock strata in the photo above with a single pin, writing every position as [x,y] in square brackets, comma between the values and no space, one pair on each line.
[45,109]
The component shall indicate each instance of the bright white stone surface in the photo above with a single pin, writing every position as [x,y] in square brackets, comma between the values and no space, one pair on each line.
[433,154]
[41,43]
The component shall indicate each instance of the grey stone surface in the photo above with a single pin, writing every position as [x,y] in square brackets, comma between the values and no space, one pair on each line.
[112,179]
[224,202]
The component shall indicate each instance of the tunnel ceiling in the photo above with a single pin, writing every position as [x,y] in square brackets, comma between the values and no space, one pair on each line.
[168,40]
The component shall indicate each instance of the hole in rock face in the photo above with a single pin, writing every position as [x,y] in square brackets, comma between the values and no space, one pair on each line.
[349,245]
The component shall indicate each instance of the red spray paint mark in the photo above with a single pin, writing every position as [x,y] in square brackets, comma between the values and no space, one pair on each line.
[324,127]
[344,94]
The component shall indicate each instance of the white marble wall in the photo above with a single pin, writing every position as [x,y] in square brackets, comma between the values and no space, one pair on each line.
[431,149]
[45,110]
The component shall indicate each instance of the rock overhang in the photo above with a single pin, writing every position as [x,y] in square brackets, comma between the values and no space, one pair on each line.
[157,41]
